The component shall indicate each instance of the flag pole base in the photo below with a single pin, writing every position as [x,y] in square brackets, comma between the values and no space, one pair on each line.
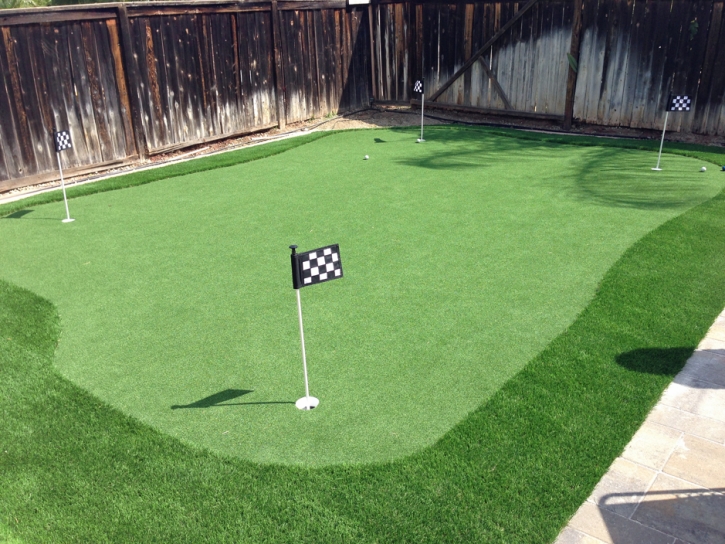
[657,169]
[69,220]
[420,140]
[307,403]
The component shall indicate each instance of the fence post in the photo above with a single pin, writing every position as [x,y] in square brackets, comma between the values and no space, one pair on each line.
[132,82]
[278,68]
[576,28]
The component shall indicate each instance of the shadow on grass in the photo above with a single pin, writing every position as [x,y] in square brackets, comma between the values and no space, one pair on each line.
[222,397]
[601,174]
[215,400]
[618,177]
[18,215]
[662,361]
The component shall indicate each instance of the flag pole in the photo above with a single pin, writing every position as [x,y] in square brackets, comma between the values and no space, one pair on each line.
[302,340]
[422,107]
[667,113]
[307,402]
[68,218]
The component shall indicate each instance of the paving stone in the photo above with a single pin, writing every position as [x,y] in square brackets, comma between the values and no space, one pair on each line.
[706,366]
[699,461]
[712,343]
[615,529]
[688,422]
[687,511]
[572,536]
[717,331]
[652,445]
[695,396]
[619,489]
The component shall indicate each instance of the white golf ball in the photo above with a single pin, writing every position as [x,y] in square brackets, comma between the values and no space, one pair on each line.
[703,169]
[366,157]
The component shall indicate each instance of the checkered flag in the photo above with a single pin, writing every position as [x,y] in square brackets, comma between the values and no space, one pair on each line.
[62,140]
[678,102]
[418,87]
[316,266]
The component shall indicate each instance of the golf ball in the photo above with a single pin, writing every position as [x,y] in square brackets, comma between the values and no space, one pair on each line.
[366,157]
[703,169]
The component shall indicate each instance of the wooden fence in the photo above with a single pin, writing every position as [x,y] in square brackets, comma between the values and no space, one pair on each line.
[511,58]
[131,80]
[138,79]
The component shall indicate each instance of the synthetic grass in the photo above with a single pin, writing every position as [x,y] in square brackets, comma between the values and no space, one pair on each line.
[75,470]
[176,303]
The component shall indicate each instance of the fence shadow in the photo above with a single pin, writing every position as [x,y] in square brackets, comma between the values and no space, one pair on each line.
[691,515]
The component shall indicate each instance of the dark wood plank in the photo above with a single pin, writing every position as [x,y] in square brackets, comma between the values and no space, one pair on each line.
[152,73]
[125,107]
[714,122]
[132,80]
[654,108]
[278,69]
[576,28]
[9,143]
[26,155]
[98,106]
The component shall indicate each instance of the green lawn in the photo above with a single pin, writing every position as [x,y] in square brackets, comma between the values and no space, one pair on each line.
[498,336]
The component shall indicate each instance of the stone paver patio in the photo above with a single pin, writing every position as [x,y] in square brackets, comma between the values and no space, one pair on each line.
[668,486]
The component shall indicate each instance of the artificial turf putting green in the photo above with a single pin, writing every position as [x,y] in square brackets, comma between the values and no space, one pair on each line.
[74,470]
[464,257]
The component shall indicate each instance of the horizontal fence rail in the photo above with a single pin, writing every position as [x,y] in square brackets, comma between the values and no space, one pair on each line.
[131,80]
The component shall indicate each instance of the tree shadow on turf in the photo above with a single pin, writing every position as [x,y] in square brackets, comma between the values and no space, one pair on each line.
[621,178]
[607,176]
[662,361]
[221,398]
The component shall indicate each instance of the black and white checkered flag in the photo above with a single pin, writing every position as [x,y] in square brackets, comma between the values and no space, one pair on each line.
[62,140]
[418,87]
[678,102]
[316,266]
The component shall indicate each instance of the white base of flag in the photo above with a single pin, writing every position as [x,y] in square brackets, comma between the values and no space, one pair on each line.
[307,403]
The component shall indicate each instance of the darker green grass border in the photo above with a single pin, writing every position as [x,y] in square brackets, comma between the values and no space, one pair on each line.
[515,470]
[148,175]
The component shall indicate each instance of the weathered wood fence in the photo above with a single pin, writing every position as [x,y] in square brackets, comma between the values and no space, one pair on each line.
[131,80]
[511,58]
[138,79]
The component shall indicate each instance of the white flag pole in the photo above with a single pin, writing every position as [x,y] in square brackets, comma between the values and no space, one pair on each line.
[662,142]
[307,402]
[68,218]
[422,107]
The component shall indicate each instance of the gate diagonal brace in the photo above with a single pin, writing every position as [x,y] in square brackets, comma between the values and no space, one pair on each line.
[467,65]
[496,84]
